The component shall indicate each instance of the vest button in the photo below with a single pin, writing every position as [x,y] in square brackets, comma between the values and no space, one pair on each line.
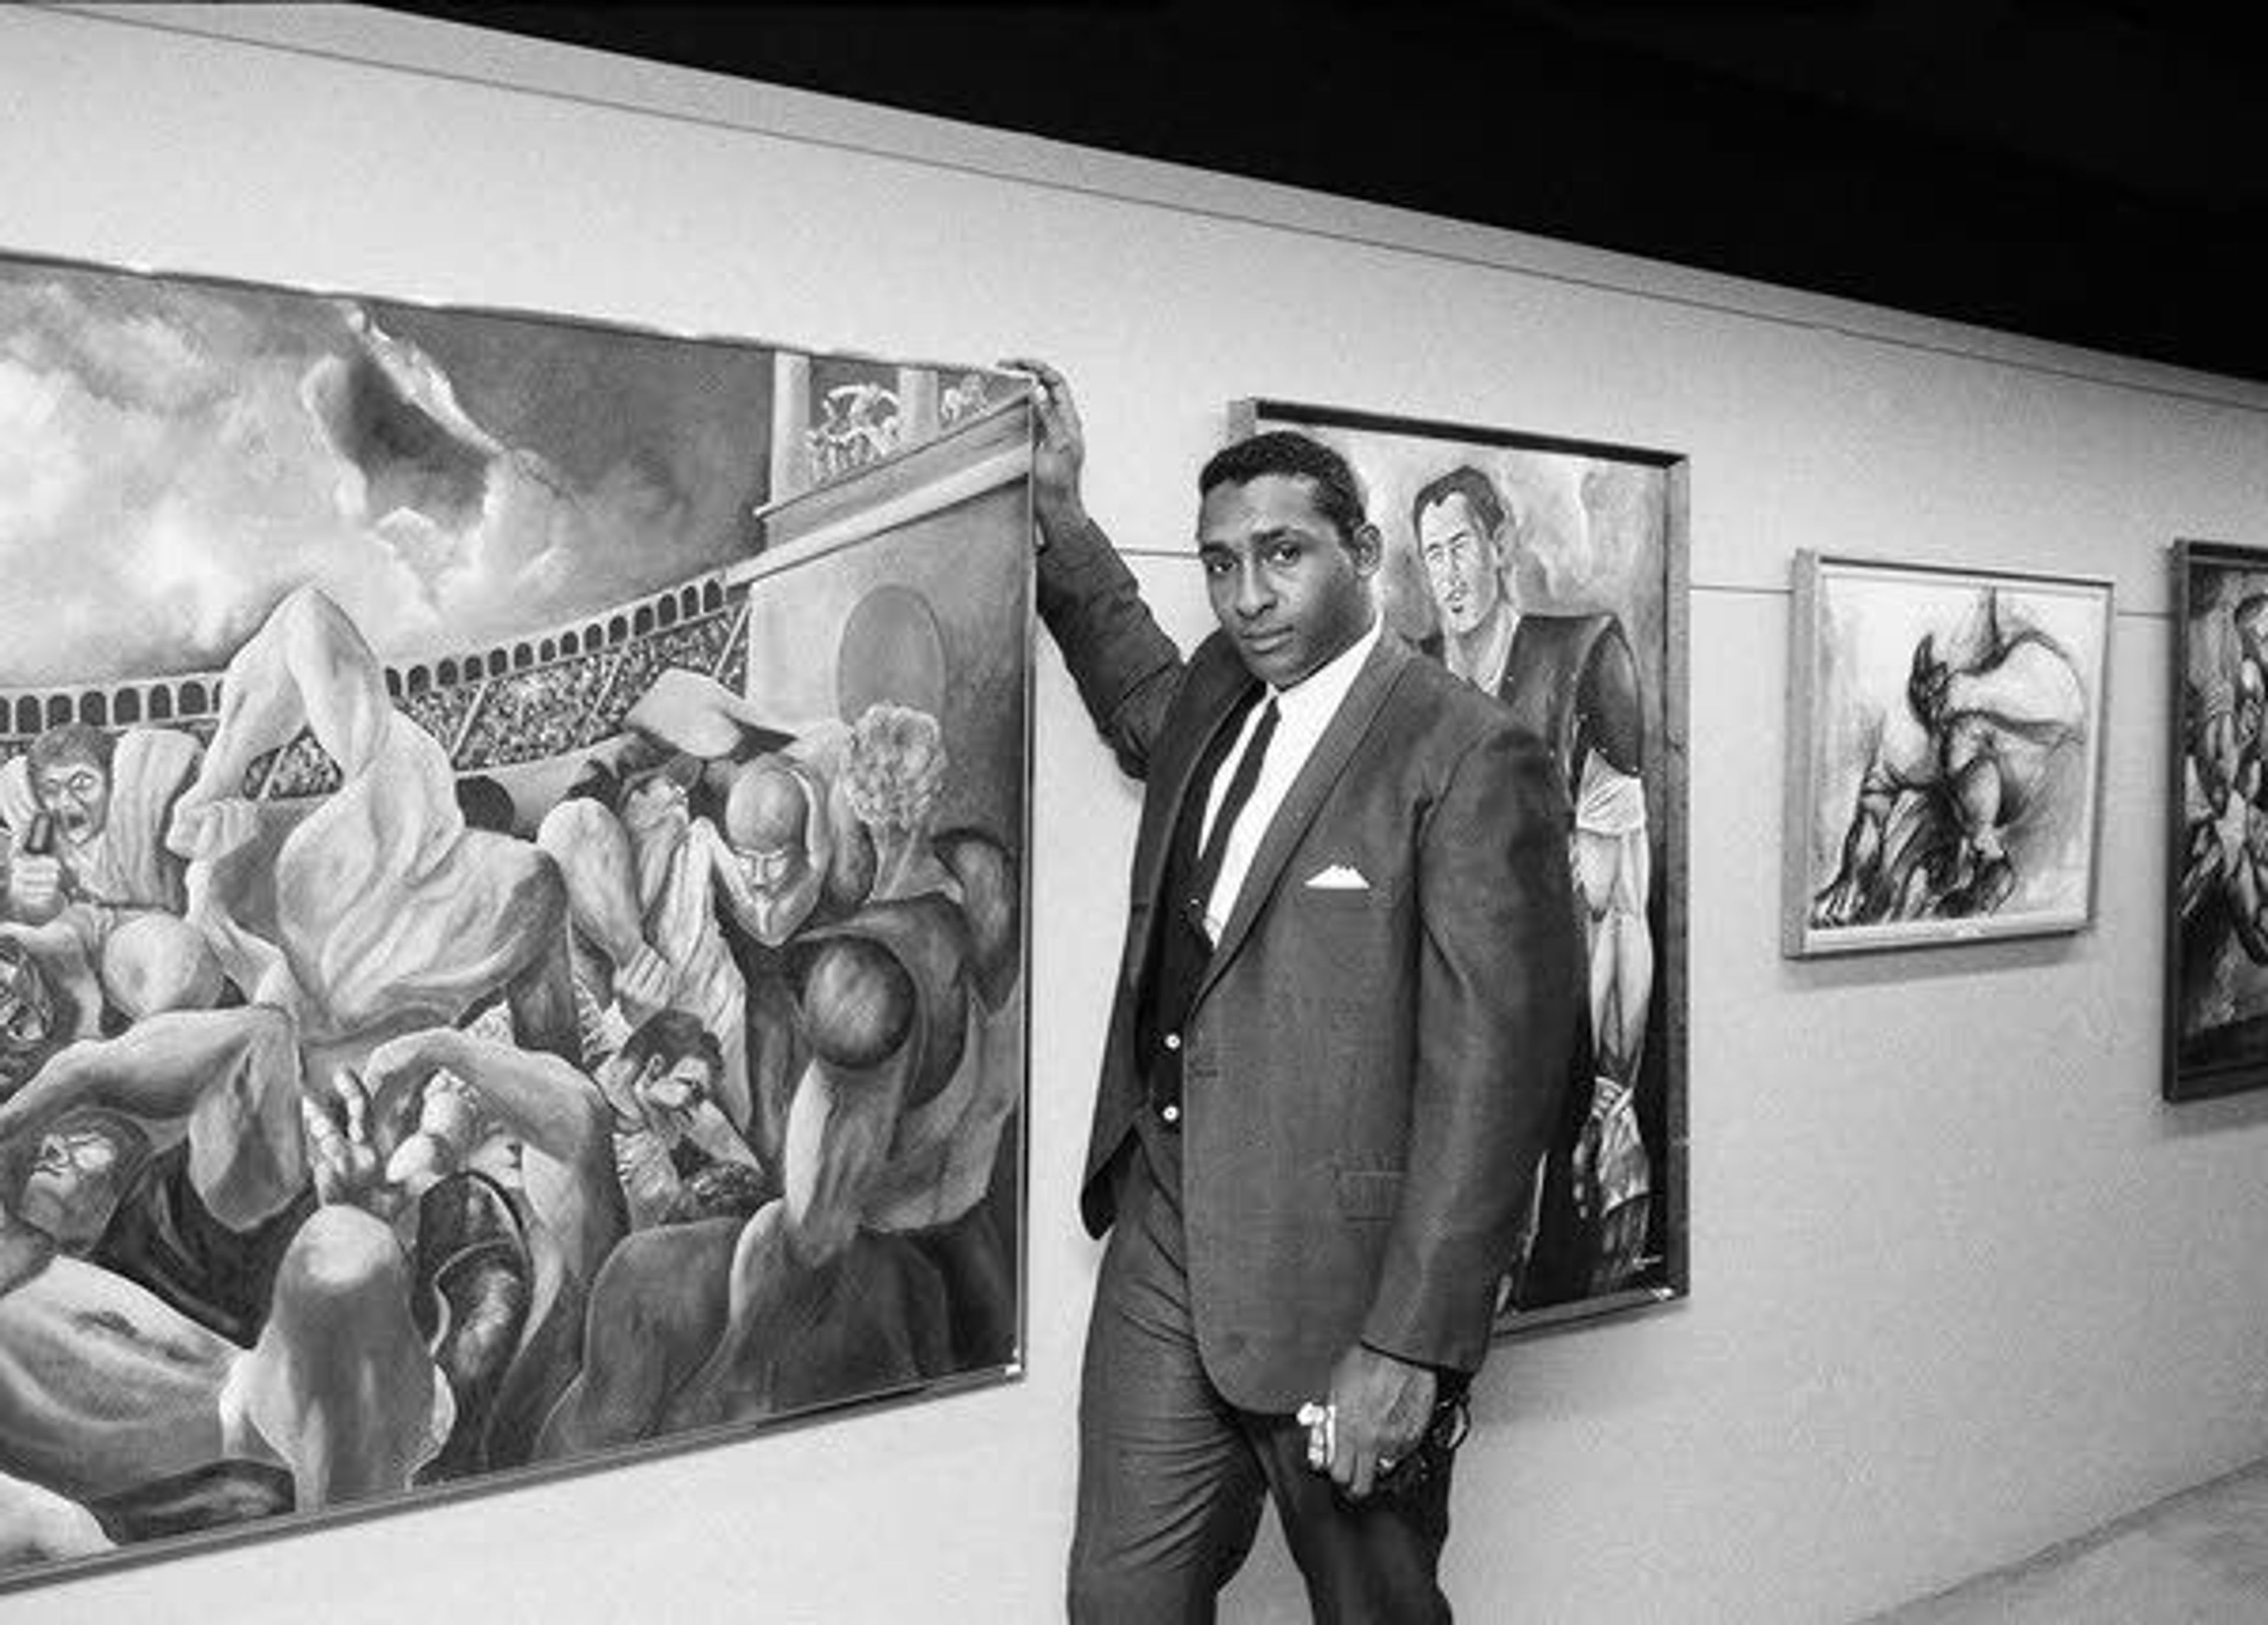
[1171,1113]
[1173,1040]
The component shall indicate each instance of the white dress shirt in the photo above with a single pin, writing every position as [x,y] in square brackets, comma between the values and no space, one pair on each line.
[1302,712]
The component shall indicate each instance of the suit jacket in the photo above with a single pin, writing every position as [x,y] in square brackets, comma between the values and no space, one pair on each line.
[1368,1074]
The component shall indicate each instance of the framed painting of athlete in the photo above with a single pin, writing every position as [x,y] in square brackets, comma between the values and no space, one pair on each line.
[512,906]
[1945,750]
[1550,573]
[2217,931]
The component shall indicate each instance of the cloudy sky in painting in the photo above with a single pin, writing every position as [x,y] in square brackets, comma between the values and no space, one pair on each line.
[175,456]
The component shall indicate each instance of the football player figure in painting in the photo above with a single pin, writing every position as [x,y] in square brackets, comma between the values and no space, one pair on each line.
[376,910]
[669,1130]
[875,1265]
[1572,678]
[827,836]
[641,879]
[91,887]
[1969,786]
[801,859]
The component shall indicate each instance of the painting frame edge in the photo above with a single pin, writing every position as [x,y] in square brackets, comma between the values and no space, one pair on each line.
[1243,416]
[1800,939]
[2175,1087]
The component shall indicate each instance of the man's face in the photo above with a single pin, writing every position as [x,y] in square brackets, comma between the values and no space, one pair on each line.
[73,1188]
[770,871]
[78,792]
[1286,588]
[671,1094]
[1460,563]
[768,825]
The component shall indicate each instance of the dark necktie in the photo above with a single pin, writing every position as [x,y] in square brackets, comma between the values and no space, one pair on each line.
[1240,791]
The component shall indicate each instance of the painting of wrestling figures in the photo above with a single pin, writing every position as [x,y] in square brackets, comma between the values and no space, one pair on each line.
[512,855]
[1944,755]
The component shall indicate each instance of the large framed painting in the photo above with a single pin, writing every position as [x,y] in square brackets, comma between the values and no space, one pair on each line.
[512,840]
[1550,573]
[2217,947]
[1944,756]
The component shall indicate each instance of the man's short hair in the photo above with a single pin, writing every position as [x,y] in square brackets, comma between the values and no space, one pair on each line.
[70,741]
[673,1036]
[1478,490]
[1338,489]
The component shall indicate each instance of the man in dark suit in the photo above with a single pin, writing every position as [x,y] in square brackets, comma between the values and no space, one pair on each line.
[1350,985]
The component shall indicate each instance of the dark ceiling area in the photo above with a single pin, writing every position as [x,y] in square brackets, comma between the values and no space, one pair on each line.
[2090,172]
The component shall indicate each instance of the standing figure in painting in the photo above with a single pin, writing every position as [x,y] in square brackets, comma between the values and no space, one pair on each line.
[92,888]
[1572,680]
[1968,786]
[1351,984]
[376,910]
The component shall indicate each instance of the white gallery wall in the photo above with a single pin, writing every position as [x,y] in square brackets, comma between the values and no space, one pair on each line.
[1962,1285]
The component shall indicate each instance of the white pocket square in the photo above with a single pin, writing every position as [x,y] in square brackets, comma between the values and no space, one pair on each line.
[1337,877]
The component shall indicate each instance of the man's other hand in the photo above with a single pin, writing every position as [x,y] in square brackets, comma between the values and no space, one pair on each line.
[1382,1406]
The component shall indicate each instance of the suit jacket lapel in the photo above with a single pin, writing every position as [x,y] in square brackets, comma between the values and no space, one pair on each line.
[1306,797]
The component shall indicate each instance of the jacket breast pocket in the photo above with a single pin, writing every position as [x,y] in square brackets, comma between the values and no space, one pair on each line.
[1338,887]
[1353,933]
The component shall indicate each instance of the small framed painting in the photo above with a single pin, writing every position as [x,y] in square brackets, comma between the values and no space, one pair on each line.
[1945,754]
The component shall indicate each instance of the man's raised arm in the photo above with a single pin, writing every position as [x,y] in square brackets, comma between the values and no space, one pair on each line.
[1127,669]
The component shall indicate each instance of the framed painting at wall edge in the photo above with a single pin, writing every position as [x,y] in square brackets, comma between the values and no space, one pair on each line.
[479,793]
[2217,823]
[1944,754]
[1550,572]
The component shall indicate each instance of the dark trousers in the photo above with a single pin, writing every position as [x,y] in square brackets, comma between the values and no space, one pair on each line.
[1171,1476]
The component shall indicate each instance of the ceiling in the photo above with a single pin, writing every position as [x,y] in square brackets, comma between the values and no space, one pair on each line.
[2094,171]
